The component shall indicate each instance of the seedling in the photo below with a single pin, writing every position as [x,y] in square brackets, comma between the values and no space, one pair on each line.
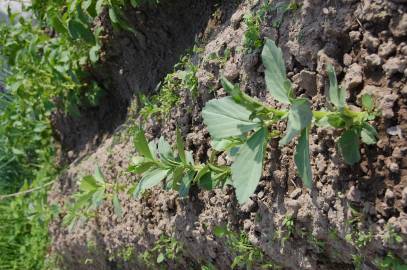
[157,162]
[93,190]
[166,248]
[246,255]
[241,116]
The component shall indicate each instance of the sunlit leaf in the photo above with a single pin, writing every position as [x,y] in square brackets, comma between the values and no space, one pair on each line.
[141,145]
[302,159]
[225,118]
[248,165]
[149,180]
[299,117]
[276,79]
[368,134]
[348,145]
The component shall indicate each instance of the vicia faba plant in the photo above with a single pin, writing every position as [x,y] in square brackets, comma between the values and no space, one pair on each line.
[244,125]
[158,162]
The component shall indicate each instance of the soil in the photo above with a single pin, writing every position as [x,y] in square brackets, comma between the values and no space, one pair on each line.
[366,43]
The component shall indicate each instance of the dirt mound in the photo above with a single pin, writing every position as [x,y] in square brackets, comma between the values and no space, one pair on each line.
[352,217]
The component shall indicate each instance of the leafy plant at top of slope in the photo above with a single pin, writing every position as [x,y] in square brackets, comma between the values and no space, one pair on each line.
[157,162]
[93,190]
[183,77]
[240,115]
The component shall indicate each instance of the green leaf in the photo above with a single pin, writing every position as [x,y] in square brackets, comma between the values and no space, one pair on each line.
[367,102]
[299,117]
[57,24]
[94,53]
[336,94]
[117,207]
[113,16]
[149,180]
[160,258]
[181,147]
[164,149]
[78,30]
[368,134]
[206,181]
[225,118]
[186,184]
[348,145]
[276,79]
[177,176]
[142,167]
[134,3]
[248,166]
[302,160]
[99,177]
[220,231]
[141,145]
[88,184]
[336,121]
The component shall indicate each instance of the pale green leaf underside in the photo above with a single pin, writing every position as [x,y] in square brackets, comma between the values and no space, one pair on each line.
[225,118]
[248,166]
[275,73]
[302,160]
[299,117]
[149,180]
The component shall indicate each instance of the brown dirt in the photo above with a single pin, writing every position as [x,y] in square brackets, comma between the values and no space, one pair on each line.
[366,42]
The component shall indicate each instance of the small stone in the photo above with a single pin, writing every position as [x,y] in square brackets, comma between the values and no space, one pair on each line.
[387,49]
[398,25]
[248,206]
[295,193]
[231,71]
[403,48]
[236,18]
[247,224]
[370,42]
[354,36]
[347,59]
[389,196]
[71,154]
[353,77]
[353,194]
[394,131]
[307,81]
[394,65]
[386,105]
[393,167]
[292,206]
[373,60]
[404,197]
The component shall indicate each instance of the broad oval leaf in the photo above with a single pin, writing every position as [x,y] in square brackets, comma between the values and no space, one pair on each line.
[248,166]
[149,180]
[302,160]
[225,118]
[116,206]
[348,145]
[299,117]
[276,79]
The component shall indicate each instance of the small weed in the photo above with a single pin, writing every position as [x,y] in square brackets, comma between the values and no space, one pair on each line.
[165,249]
[391,236]
[357,261]
[246,256]
[252,36]
[390,262]
[183,77]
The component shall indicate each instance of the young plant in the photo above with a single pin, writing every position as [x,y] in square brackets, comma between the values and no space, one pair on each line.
[93,190]
[246,256]
[158,162]
[241,116]
[166,248]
